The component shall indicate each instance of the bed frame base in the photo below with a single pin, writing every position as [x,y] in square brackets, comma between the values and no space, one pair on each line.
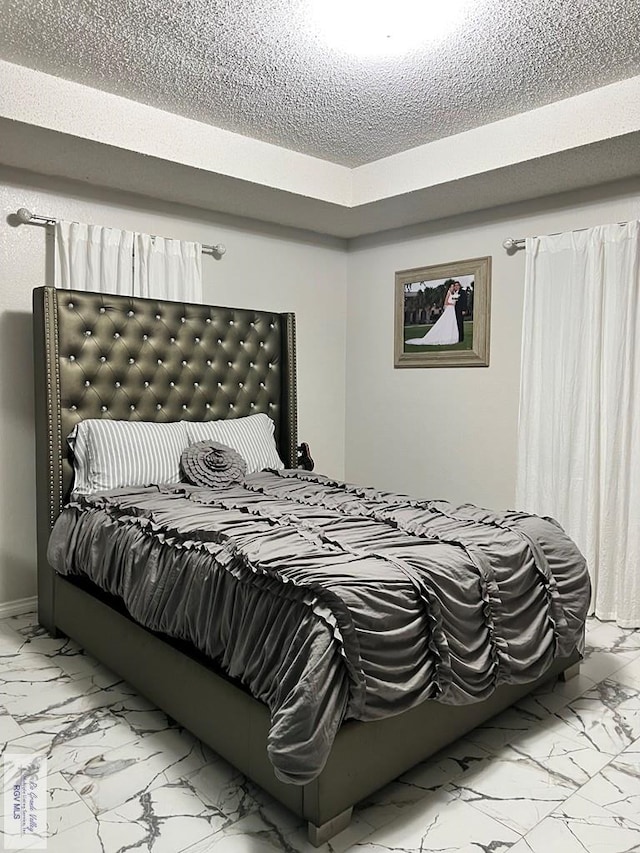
[364,758]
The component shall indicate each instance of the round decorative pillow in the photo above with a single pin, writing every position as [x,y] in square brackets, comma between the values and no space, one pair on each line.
[214,465]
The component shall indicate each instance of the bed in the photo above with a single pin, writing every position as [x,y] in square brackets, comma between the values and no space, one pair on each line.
[129,359]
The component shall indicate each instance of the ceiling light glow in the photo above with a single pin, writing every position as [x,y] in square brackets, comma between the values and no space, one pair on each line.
[381,27]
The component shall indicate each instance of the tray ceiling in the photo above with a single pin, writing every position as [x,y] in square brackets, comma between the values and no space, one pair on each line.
[260,69]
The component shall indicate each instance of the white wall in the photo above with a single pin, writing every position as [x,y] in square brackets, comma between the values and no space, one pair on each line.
[265,267]
[449,432]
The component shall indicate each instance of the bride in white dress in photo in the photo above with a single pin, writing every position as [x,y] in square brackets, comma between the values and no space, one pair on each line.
[445,330]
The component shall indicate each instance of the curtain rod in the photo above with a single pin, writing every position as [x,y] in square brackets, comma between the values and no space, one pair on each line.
[513,243]
[27,217]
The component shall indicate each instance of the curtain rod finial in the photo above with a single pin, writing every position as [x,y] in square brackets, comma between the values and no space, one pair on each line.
[24,215]
[220,249]
[509,243]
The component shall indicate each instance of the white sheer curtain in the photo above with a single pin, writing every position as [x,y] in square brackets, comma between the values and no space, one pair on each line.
[108,260]
[89,257]
[579,435]
[168,269]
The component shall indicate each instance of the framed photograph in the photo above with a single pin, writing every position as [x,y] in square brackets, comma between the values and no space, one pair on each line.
[442,315]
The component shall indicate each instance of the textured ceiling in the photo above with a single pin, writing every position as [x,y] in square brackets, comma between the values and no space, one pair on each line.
[257,67]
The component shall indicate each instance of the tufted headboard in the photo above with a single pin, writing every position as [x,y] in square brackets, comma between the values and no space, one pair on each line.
[99,355]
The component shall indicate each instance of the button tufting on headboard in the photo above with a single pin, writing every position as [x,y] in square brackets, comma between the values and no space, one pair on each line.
[127,358]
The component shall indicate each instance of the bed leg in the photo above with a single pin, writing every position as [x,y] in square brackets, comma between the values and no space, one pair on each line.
[319,834]
[46,620]
[570,672]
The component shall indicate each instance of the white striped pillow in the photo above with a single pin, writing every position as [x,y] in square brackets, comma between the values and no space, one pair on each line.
[252,437]
[110,454]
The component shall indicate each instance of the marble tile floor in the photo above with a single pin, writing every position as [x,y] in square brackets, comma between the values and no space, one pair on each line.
[558,773]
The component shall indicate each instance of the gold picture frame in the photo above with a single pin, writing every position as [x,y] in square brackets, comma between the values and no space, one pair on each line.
[442,315]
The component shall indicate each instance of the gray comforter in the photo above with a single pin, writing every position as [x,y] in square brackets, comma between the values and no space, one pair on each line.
[331,601]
